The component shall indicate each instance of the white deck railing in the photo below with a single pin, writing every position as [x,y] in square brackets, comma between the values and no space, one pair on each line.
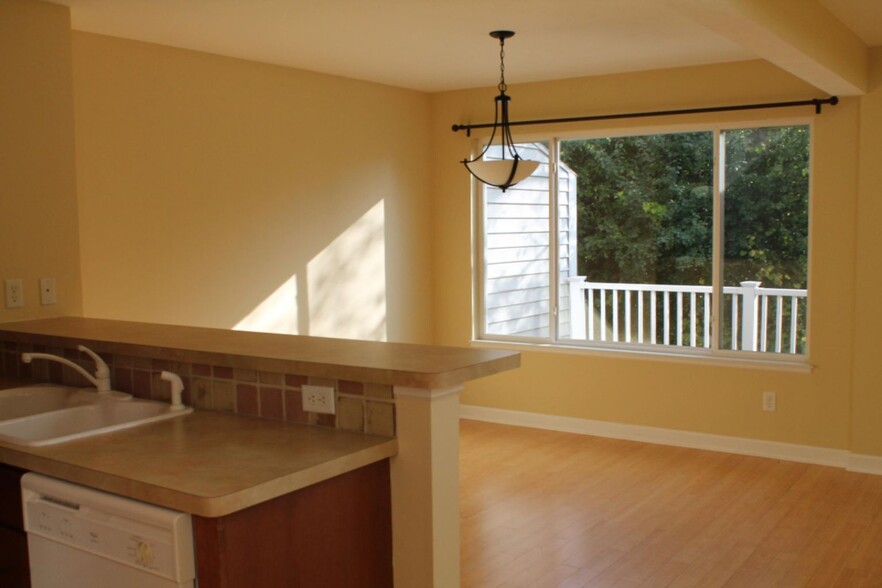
[754,318]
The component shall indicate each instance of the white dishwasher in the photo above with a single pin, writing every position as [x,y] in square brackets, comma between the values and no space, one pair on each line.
[80,537]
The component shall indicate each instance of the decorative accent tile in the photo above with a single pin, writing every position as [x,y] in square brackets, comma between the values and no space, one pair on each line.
[271,403]
[380,418]
[220,371]
[271,378]
[378,391]
[122,361]
[10,364]
[200,393]
[350,414]
[141,384]
[323,382]
[180,368]
[142,363]
[294,407]
[355,388]
[185,394]
[159,365]
[201,370]
[324,420]
[245,375]
[246,400]
[56,372]
[293,381]
[122,379]
[223,396]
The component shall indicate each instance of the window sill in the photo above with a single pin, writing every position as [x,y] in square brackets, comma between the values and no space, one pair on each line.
[801,366]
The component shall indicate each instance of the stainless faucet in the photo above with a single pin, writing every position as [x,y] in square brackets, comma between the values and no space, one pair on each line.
[101,379]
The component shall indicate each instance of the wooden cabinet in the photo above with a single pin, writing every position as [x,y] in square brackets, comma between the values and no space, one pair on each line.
[337,533]
[14,572]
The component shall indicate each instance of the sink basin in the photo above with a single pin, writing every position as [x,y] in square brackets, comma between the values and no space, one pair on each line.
[28,400]
[77,422]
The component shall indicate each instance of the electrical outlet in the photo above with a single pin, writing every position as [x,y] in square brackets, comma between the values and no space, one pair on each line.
[47,291]
[319,399]
[770,401]
[14,293]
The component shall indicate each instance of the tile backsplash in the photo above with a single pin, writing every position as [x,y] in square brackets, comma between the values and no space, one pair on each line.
[361,406]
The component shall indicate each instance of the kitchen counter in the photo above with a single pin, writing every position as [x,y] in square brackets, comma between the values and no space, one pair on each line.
[206,463]
[398,364]
[210,464]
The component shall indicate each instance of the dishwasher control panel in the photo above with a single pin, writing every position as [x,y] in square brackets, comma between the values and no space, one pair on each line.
[140,535]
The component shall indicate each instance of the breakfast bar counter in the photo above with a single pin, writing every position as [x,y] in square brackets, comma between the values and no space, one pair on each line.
[399,364]
[398,406]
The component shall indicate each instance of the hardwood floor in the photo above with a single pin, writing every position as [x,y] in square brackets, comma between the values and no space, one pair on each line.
[542,508]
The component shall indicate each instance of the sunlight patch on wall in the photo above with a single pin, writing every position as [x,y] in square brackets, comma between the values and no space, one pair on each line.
[340,293]
[276,314]
[347,282]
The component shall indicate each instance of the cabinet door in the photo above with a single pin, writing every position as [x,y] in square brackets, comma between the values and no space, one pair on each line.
[334,534]
[14,571]
[10,496]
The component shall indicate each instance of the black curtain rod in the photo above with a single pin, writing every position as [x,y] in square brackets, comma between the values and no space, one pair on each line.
[816,102]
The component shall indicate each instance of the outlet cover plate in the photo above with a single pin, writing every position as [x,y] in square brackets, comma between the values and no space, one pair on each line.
[770,401]
[319,399]
[48,294]
[14,293]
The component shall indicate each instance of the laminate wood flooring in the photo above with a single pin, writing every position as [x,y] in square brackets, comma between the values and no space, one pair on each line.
[548,509]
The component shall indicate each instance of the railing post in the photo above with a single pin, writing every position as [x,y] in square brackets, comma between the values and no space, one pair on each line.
[749,299]
[577,308]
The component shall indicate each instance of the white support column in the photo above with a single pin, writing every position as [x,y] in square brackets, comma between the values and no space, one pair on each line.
[425,488]
[577,308]
[748,315]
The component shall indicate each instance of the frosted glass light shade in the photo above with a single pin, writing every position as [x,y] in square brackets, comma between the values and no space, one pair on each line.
[496,172]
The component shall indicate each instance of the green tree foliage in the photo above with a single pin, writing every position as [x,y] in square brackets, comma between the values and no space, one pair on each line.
[766,206]
[646,207]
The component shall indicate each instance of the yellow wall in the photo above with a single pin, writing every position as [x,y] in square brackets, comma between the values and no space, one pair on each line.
[867,396]
[221,192]
[227,193]
[813,408]
[38,200]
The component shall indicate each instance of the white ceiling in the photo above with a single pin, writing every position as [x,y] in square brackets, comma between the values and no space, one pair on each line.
[434,45]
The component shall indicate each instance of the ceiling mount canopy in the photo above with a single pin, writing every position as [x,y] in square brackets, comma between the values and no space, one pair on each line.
[511,168]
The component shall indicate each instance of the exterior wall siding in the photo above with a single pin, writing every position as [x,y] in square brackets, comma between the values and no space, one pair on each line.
[517,251]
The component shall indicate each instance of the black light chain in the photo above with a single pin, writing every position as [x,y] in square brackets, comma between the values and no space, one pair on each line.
[502,85]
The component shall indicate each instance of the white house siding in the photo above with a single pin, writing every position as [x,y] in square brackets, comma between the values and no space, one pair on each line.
[517,254]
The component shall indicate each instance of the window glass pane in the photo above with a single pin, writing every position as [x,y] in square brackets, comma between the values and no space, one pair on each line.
[765,251]
[516,250]
[643,245]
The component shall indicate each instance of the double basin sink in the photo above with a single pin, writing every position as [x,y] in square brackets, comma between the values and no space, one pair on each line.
[46,414]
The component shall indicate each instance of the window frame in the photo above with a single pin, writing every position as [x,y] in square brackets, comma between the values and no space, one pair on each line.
[715,353]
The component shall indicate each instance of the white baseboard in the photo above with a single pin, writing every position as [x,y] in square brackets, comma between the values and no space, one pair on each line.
[865,464]
[868,464]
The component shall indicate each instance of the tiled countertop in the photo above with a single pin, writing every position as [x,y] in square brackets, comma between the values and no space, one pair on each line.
[398,364]
[206,463]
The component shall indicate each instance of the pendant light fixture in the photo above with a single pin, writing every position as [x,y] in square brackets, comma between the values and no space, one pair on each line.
[511,169]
